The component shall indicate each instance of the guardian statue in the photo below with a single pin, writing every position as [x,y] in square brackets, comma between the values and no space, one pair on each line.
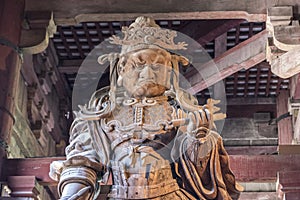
[144,131]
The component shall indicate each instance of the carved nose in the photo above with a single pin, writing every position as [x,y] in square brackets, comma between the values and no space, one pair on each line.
[147,73]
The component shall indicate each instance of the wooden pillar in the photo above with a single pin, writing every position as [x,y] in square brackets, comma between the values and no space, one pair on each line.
[295,99]
[11,16]
[23,186]
[288,184]
[285,131]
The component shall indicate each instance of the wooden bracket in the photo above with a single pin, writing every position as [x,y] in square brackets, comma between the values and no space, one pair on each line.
[283,49]
[39,27]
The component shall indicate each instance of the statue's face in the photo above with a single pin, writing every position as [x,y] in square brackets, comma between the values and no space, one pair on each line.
[145,73]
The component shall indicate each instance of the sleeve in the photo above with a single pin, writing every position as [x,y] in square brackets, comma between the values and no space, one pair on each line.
[78,173]
[80,151]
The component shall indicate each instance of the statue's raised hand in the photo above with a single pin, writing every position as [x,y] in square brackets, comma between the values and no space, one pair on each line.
[200,122]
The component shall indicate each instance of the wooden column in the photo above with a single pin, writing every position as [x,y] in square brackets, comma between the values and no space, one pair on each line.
[295,96]
[285,131]
[11,16]
[288,184]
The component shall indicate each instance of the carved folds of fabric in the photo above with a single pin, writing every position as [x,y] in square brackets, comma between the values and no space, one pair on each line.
[207,176]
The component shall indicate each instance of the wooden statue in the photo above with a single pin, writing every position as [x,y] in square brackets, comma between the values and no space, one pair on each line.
[145,131]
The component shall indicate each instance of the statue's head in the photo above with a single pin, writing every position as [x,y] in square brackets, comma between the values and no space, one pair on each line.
[145,67]
[145,72]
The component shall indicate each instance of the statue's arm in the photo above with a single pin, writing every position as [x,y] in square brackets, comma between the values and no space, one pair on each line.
[77,175]
[77,182]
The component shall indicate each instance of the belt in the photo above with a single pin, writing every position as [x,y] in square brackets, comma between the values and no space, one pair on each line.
[143,192]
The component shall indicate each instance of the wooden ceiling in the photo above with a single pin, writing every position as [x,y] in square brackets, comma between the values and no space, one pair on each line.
[74,43]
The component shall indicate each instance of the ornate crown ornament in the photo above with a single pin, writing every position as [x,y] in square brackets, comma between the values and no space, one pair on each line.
[145,33]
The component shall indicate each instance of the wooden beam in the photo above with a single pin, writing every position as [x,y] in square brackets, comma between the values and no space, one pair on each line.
[205,31]
[70,12]
[287,64]
[251,150]
[285,149]
[38,167]
[195,28]
[271,141]
[251,101]
[262,167]
[245,167]
[258,195]
[243,56]
[234,111]
[217,31]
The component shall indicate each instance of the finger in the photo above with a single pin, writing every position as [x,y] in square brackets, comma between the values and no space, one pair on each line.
[192,122]
[198,118]
[208,114]
[208,117]
[203,117]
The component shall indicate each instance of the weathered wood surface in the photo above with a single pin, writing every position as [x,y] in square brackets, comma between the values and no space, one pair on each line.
[245,167]
[79,11]
[243,56]
[10,64]
[285,131]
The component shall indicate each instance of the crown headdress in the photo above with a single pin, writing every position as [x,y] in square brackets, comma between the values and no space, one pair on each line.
[145,33]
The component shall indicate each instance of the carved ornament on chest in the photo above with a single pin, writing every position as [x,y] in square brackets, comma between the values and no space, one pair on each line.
[141,118]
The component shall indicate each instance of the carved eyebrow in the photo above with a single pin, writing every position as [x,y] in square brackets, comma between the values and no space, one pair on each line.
[159,59]
[139,60]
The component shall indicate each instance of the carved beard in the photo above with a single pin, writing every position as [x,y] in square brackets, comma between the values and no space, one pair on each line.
[149,90]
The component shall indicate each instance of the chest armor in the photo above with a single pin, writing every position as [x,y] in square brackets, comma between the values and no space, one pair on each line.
[139,120]
[139,132]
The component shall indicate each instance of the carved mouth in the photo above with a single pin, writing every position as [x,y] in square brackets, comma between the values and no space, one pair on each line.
[146,82]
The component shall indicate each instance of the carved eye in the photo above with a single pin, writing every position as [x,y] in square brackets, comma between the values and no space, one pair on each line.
[139,66]
[156,67]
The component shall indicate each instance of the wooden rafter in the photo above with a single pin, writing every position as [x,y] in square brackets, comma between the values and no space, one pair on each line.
[205,31]
[243,56]
[257,81]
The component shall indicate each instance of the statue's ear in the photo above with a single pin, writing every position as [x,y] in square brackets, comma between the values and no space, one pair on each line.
[121,70]
[183,60]
[121,66]
[120,80]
